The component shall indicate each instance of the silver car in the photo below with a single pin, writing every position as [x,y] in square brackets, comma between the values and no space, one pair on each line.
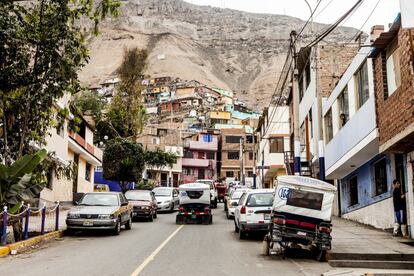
[167,198]
[100,211]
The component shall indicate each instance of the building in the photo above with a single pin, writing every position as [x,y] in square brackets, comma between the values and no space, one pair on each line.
[233,161]
[71,148]
[319,68]
[218,117]
[273,141]
[200,156]
[352,156]
[393,57]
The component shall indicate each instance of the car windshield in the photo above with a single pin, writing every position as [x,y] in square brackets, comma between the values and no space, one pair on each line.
[143,196]
[262,199]
[162,192]
[99,199]
[237,195]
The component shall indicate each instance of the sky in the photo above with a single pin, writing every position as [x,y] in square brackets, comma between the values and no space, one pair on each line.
[327,12]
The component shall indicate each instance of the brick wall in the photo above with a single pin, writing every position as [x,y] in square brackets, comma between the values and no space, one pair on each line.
[334,60]
[394,113]
[226,147]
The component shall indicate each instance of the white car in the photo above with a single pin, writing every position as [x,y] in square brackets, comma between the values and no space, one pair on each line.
[213,191]
[252,213]
[167,198]
[233,200]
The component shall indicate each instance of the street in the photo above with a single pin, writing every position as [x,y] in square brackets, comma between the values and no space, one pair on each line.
[160,248]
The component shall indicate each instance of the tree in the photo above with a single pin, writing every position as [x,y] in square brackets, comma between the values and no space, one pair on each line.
[126,113]
[42,49]
[123,161]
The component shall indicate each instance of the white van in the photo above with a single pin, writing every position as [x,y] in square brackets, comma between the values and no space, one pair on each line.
[213,190]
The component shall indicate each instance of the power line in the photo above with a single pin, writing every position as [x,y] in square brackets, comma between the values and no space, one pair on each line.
[365,22]
[307,22]
[324,8]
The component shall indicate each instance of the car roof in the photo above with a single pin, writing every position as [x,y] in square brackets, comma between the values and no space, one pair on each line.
[260,191]
[104,193]
[138,191]
[167,188]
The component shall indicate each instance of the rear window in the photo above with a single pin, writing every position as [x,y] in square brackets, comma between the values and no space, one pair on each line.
[138,196]
[236,194]
[305,199]
[257,200]
[194,194]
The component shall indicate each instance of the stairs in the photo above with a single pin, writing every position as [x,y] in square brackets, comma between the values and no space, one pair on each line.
[305,166]
[372,261]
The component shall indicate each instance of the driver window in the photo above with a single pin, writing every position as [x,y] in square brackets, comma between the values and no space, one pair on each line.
[242,199]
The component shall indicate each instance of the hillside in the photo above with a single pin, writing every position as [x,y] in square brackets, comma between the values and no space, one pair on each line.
[219,47]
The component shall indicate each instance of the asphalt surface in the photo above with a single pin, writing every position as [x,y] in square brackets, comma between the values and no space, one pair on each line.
[160,248]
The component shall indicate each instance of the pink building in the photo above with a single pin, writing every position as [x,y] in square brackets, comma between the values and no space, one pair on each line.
[200,157]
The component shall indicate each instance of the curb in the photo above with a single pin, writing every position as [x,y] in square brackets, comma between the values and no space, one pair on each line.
[22,246]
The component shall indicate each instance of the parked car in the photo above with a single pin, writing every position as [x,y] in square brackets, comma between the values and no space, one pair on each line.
[167,198]
[233,200]
[301,215]
[106,211]
[213,191]
[252,214]
[194,204]
[143,203]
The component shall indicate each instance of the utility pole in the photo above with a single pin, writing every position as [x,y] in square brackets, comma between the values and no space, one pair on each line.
[263,184]
[295,95]
[241,155]
[254,160]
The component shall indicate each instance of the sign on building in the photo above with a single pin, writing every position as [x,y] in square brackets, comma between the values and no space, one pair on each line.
[407,13]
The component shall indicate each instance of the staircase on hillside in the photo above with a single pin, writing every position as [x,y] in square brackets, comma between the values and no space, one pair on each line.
[305,166]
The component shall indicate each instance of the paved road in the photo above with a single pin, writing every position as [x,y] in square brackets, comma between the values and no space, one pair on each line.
[160,248]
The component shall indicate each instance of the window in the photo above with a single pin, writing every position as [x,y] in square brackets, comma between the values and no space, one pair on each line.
[276,145]
[187,171]
[233,155]
[380,174]
[250,174]
[210,155]
[60,127]
[308,74]
[208,138]
[249,139]
[305,199]
[229,174]
[201,155]
[353,191]
[257,200]
[250,155]
[393,68]
[343,106]
[88,171]
[233,139]
[188,154]
[201,173]
[361,84]
[328,126]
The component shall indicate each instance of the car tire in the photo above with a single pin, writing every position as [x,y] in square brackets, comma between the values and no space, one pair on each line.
[227,215]
[215,203]
[128,225]
[320,255]
[117,229]
[155,214]
[172,207]
[236,228]
[70,232]
[265,247]
[242,234]
[150,218]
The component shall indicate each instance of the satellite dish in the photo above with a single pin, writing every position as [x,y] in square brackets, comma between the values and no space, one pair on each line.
[193,113]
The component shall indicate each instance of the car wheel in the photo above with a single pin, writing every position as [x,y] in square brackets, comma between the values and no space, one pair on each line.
[242,234]
[265,248]
[227,215]
[215,203]
[320,255]
[172,207]
[128,225]
[69,232]
[150,218]
[236,228]
[117,228]
[155,214]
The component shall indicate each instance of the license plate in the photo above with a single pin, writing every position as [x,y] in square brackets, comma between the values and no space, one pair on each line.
[87,223]
[134,213]
[267,216]
[301,233]
[193,216]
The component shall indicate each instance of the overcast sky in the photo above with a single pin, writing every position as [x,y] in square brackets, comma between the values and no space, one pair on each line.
[385,12]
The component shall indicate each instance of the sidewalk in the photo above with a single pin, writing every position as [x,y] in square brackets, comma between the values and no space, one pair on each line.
[353,237]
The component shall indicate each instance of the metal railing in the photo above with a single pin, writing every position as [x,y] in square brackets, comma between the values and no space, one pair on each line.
[24,217]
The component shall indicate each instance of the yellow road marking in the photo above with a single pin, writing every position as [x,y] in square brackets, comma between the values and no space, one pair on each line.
[153,254]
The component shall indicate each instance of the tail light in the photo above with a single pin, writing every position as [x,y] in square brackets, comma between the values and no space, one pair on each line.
[206,209]
[181,209]
[280,221]
[325,229]
[243,210]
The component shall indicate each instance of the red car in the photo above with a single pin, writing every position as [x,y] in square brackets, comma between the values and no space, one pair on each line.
[144,204]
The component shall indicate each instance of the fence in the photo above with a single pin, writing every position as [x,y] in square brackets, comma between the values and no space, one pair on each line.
[26,216]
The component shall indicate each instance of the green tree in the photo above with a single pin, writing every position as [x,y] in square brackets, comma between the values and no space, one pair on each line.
[123,161]
[126,113]
[42,49]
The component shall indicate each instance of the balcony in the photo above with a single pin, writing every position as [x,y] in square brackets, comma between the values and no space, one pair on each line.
[200,145]
[190,162]
[78,144]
